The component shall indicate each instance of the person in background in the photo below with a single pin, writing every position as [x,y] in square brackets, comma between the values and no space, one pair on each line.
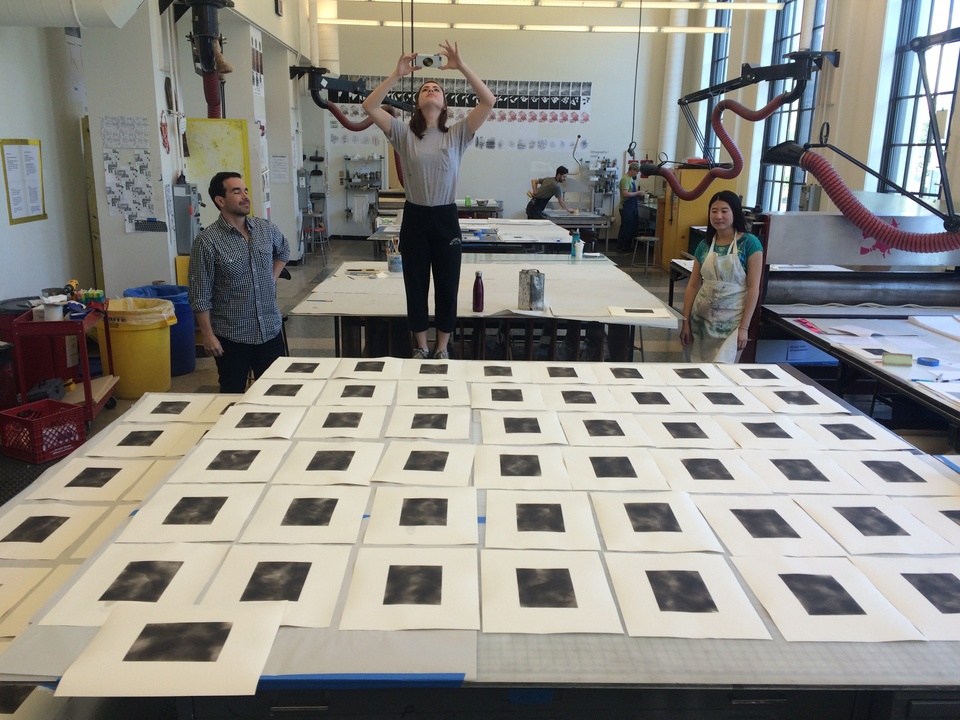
[234,266]
[629,208]
[430,154]
[542,190]
[724,286]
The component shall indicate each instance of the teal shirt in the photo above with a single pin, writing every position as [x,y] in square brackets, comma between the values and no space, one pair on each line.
[747,245]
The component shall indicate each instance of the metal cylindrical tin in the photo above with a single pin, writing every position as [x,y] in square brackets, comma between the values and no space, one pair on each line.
[531,290]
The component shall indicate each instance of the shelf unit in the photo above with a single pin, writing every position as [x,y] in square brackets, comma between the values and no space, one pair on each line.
[605,189]
[362,175]
[90,393]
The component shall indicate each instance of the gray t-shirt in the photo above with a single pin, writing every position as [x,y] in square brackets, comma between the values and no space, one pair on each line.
[431,165]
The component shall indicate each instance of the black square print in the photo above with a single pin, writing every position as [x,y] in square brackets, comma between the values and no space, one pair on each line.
[170,407]
[283,390]
[35,529]
[520,466]
[952,515]
[330,460]
[767,430]
[650,398]
[275,581]
[626,373]
[195,511]
[358,391]
[603,428]
[578,397]
[893,471]
[252,420]
[179,642]
[613,467]
[301,368]
[414,585]
[690,373]
[562,372]
[142,581]
[140,438]
[429,421]
[764,523]
[685,430]
[13,696]
[433,392]
[521,425]
[540,517]
[421,512]
[546,588]
[93,477]
[681,591]
[706,469]
[370,366]
[871,522]
[426,461]
[652,517]
[847,431]
[942,590]
[434,369]
[310,512]
[506,395]
[821,594]
[722,398]
[795,397]
[799,470]
[238,460]
[497,371]
[343,420]
[759,374]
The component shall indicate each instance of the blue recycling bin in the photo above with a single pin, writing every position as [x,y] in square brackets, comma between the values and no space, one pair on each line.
[183,352]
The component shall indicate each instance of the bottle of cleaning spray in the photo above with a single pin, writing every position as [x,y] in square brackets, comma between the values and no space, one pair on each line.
[573,243]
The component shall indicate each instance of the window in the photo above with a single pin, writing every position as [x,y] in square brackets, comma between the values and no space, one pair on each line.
[780,185]
[718,73]
[909,156]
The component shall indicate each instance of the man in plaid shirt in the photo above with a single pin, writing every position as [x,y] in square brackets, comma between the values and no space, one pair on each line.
[234,266]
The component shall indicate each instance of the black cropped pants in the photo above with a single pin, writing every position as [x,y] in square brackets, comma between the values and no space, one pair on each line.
[430,242]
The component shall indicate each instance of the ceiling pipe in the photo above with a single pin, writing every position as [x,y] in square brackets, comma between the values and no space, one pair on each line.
[206,42]
[68,13]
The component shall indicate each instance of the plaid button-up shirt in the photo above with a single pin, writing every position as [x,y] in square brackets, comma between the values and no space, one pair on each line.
[233,279]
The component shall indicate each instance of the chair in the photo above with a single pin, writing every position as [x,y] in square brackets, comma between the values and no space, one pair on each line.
[314,234]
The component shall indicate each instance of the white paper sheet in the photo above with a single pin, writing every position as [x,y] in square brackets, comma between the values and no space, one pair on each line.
[341,422]
[257,422]
[142,440]
[16,583]
[652,399]
[231,461]
[217,406]
[381,368]
[426,463]
[297,514]
[439,393]
[613,469]
[358,393]
[329,463]
[44,530]
[803,472]
[758,375]
[433,423]
[540,519]
[563,373]
[137,573]
[685,431]
[430,370]
[579,398]
[683,374]
[506,396]
[304,579]
[686,595]
[193,513]
[838,603]
[708,471]
[169,407]
[871,525]
[546,592]
[853,432]
[282,392]
[940,514]
[899,473]
[154,475]
[90,479]
[728,400]
[508,467]
[519,427]
[640,313]
[423,516]
[652,522]
[767,432]
[493,371]
[798,401]
[304,368]
[615,429]
[608,373]
[924,590]
[201,661]
[413,588]
[104,529]
[766,526]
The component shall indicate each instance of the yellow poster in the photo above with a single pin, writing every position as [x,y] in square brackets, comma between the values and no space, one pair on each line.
[23,178]
[217,145]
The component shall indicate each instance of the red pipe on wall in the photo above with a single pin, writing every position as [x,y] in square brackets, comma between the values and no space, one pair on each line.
[211,93]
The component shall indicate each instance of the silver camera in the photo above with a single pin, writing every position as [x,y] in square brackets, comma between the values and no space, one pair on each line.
[428,61]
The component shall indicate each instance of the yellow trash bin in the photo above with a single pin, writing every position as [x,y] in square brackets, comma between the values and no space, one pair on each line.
[140,338]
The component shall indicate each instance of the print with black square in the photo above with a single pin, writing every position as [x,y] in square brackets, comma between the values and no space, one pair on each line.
[540,517]
[893,471]
[652,517]
[681,591]
[13,696]
[759,374]
[343,420]
[578,397]
[942,590]
[170,407]
[871,521]
[237,460]
[423,512]
[506,395]
[650,398]
[433,392]
[706,469]
[690,373]
[370,366]
[685,431]
[330,461]
[251,420]
[613,467]
[426,461]
[603,428]
[626,373]
[140,438]
[93,477]
[414,585]
[301,368]
[764,523]
[521,425]
[310,512]
[434,369]
[35,529]
[179,642]
[195,511]
[561,372]
[847,431]
[767,430]
[546,588]
[722,398]
[142,581]
[429,421]
[952,515]
[520,465]
[795,397]
[282,390]
[276,581]
[358,391]
[799,470]
[821,594]
[497,371]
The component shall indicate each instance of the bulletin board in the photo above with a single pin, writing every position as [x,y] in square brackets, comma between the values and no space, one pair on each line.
[217,145]
[23,179]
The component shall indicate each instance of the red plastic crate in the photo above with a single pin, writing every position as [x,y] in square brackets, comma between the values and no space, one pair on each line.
[42,431]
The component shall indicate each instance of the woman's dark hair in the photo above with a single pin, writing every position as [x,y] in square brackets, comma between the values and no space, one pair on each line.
[418,124]
[733,200]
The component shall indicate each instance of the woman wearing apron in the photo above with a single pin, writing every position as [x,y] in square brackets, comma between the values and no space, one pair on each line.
[724,286]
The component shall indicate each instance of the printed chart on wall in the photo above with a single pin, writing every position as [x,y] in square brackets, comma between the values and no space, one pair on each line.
[23,178]
[126,165]
[529,114]
[217,145]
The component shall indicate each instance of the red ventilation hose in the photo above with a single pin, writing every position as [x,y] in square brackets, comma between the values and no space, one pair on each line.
[211,93]
[872,226]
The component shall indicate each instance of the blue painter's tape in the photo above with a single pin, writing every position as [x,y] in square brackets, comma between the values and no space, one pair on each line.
[949,463]
[928,361]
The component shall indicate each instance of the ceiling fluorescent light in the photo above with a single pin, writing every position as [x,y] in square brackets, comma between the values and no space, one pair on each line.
[521,3]
[579,3]
[348,21]
[556,28]
[655,29]
[417,25]
[484,26]
[699,5]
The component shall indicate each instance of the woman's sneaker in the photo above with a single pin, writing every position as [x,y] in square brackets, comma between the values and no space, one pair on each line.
[420,354]
[441,354]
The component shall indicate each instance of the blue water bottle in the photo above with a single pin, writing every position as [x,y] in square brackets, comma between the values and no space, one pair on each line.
[573,243]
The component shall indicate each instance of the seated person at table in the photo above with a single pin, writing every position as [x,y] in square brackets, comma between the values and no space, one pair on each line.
[542,190]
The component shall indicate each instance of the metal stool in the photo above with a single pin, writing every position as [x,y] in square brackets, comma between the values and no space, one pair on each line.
[314,234]
[648,244]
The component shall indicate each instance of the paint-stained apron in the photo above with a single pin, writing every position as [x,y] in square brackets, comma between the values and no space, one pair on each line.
[718,308]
